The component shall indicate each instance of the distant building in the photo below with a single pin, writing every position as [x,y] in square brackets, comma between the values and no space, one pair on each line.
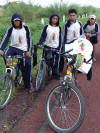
[1,9]
[1,6]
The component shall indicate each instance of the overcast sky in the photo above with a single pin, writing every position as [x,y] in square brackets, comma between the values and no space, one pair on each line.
[44,3]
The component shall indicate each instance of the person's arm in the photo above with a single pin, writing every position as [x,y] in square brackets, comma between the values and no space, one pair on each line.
[96,30]
[43,36]
[65,34]
[87,33]
[81,29]
[60,39]
[85,26]
[29,39]
[5,39]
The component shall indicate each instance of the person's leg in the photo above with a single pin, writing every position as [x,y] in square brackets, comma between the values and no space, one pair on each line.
[10,51]
[94,51]
[56,61]
[27,73]
[89,75]
[25,69]
[61,64]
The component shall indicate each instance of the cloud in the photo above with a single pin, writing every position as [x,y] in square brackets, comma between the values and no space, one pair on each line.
[44,3]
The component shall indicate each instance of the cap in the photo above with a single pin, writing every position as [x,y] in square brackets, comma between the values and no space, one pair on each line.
[17,19]
[92,16]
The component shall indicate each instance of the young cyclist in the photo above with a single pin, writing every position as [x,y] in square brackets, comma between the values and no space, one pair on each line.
[21,42]
[51,37]
[91,32]
[73,28]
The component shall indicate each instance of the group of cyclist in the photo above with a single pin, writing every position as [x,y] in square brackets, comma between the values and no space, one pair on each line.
[52,37]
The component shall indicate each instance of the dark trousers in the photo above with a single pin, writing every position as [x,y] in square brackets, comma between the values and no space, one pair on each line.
[55,61]
[89,75]
[25,67]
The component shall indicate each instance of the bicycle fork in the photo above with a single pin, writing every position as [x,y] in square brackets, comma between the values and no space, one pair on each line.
[63,95]
[11,72]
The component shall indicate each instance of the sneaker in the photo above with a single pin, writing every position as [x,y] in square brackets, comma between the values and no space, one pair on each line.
[29,90]
[94,59]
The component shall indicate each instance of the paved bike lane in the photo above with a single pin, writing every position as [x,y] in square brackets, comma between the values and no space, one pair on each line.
[34,120]
[26,112]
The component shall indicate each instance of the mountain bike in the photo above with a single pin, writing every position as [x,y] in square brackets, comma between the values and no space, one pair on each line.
[65,105]
[45,66]
[10,78]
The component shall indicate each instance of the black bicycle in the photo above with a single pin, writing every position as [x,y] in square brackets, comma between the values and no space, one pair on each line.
[10,78]
[65,105]
[45,66]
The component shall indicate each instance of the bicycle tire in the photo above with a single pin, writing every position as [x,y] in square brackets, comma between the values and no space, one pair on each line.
[40,79]
[49,114]
[6,87]
[19,78]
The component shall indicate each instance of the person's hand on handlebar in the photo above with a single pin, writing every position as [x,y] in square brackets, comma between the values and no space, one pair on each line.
[38,46]
[27,54]
[88,36]
[1,52]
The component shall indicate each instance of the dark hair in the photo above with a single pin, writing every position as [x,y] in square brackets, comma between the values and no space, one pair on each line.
[54,14]
[72,10]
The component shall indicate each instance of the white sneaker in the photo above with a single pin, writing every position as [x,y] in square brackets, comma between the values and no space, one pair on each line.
[94,59]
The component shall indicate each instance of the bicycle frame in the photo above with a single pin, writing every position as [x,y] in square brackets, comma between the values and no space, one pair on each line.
[10,67]
[47,57]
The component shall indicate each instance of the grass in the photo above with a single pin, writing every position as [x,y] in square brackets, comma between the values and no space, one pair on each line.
[2,65]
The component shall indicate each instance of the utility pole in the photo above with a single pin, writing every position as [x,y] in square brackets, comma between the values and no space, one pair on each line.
[61,7]
[61,4]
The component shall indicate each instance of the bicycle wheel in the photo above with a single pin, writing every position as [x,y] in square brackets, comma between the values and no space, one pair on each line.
[50,73]
[19,78]
[6,87]
[40,75]
[65,115]
[2,65]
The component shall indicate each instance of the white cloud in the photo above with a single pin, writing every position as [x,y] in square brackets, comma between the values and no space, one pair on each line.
[44,3]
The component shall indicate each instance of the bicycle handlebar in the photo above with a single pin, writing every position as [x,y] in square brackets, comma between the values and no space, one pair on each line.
[48,49]
[52,49]
[14,56]
[65,54]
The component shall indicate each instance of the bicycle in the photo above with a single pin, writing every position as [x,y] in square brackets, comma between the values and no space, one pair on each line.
[10,78]
[65,105]
[45,66]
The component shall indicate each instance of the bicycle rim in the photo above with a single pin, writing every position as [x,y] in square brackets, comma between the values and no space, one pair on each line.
[40,75]
[5,90]
[19,78]
[65,116]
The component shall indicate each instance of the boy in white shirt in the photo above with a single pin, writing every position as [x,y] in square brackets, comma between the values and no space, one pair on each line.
[73,28]
[21,42]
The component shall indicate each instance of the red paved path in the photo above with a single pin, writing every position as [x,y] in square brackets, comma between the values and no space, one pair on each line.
[30,120]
